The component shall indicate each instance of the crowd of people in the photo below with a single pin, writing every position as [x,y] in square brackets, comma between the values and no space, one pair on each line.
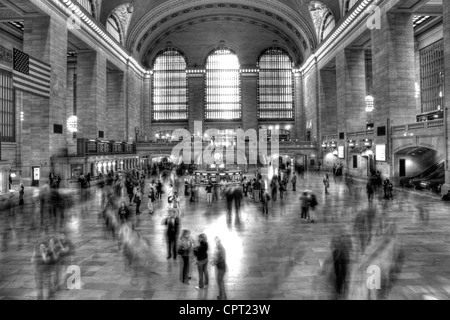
[121,196]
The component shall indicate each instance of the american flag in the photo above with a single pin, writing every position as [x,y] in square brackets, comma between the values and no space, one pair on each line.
[31,75]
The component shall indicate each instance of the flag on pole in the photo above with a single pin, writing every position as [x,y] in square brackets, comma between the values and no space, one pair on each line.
[31,75]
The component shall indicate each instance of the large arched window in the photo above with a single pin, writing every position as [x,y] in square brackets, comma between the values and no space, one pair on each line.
[223,90]
[169,87]
[275,86]
[113,27]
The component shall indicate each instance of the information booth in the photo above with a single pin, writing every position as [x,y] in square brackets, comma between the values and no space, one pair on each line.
[202,177]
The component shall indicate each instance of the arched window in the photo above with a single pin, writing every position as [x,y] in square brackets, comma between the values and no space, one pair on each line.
[275,86]
[170,87]
[113,27]
[323,19]
[87,5]
[328,25]
[223,90]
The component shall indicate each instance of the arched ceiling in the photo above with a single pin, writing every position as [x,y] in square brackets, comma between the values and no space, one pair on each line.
[156,21]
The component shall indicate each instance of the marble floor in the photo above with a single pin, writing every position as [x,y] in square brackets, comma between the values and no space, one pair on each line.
[274,256]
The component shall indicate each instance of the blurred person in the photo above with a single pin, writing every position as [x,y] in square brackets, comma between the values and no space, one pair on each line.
[170,197]
[257,190]
[370,191]
[219,261]
[238,195]
[65,251]
[137,198]
[173,226]
[265,201]
[283,188]
[326,183]
[185,249]
[245,186]
[312,208]
[294,182]
[159,190]
[53,257]
[305,203]
[201,253]
[124,213]
[229,196]
[340,250]
[209,190]
[274,188]
[41,260]
[151,200]
[361,230]
[21,193]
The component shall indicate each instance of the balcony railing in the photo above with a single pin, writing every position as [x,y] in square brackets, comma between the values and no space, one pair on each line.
[297,144]
[87,147]
[419,126]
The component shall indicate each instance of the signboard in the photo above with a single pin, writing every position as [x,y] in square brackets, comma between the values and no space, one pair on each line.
[380,150]
[341,152]
[36,174]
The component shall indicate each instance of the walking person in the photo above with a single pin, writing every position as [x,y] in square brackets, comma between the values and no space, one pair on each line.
[124,213]
[273,186]
[151,200]
[201,253]
[184,250]
[369,190]
[265,201]
[294,182]
[283,188]
[137,198]
[21,194]
[173,227]
[209,191]
[219,261]
[326,183]
[304,199]
[312,206]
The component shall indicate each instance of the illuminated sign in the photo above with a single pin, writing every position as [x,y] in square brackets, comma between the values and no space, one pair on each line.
[380,151]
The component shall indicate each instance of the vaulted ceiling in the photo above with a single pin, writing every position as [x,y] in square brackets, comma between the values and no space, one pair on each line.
[156,22]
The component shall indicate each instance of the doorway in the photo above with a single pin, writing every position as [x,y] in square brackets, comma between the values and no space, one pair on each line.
[36,176]
[402,168]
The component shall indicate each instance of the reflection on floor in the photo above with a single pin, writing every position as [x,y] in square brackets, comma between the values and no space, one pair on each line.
[269,257]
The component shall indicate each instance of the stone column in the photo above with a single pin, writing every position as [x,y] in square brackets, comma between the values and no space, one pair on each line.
[351,90]
[45,38]
[393,70]
[196,87]
[446,14]
[249,82]
[328,102]
[91,94]
[299,129]
[148,91]
[115,106]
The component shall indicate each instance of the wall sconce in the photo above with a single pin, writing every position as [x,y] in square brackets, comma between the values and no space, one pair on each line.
[351,144]
[324,144]
[367,143]
[333,144]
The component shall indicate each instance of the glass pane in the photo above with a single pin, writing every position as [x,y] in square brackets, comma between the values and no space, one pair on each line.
[170,87]
[276,89]
[223,86]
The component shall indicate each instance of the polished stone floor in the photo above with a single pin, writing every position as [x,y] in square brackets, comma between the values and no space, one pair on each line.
[269,257]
